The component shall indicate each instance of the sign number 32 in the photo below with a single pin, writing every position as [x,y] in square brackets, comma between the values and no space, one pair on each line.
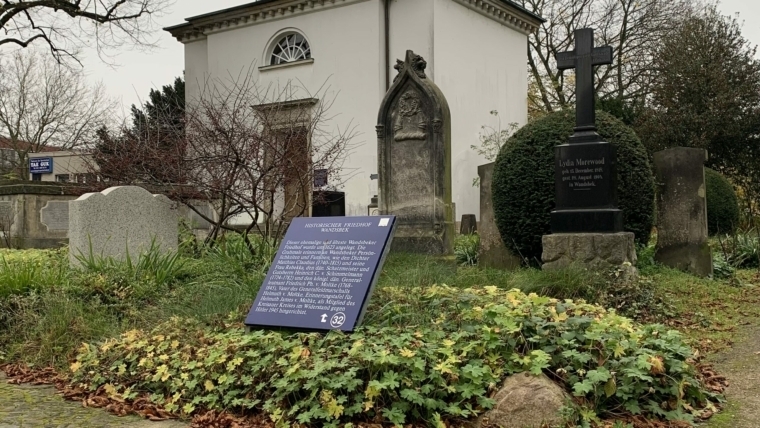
[337,320]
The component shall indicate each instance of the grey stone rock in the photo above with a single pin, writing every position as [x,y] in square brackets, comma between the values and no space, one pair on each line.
[682,210]
[493,253]
[120,220]
[414,161]
[527,401]
[469,225]
[594,251]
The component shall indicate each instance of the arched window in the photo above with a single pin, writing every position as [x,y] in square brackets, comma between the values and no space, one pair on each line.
[289,48]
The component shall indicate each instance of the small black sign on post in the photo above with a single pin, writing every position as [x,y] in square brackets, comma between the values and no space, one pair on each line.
[585,167]
[323,274]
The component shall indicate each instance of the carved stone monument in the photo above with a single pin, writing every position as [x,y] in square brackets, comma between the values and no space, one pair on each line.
[414,156]
[586,178]
[682,210]
[55,215]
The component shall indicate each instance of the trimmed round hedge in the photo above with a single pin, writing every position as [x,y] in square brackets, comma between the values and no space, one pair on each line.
[523,180]
[722,203]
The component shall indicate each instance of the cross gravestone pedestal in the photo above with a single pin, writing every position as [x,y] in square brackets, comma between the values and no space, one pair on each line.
[414,157]
[587,226]
[682,210]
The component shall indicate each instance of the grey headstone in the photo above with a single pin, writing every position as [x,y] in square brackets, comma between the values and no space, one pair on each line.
[55,215]
[682,210]
[197,221]
[493,253]
[414,156]
[121,219]
[6,210]
[469,224]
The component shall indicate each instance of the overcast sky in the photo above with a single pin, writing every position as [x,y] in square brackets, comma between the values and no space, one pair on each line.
[137,72]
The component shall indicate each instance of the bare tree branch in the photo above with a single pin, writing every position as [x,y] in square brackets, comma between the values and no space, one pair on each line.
[67,25]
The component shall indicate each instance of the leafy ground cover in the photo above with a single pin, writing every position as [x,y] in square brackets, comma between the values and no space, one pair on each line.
[200,300]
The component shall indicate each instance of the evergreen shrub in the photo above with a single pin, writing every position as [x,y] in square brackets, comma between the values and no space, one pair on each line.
[523,182]
[722,204]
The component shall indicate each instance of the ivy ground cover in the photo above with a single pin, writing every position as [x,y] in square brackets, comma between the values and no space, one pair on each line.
[443,368]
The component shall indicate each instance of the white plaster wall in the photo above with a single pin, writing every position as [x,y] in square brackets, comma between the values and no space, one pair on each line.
[348,65]
[480,65]
[411,28]
[196,67]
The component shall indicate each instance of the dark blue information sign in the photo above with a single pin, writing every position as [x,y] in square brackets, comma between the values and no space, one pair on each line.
[323,274]
[41,165]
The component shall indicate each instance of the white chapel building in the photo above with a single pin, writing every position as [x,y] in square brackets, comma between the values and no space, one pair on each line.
[476,52]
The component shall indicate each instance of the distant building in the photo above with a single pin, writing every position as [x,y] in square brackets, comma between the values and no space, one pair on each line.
[68,166]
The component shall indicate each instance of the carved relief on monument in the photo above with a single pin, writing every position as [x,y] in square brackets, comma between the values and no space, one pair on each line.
[410,122]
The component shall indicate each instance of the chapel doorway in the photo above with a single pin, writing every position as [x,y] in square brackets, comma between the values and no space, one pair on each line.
[295,174]
[328,204]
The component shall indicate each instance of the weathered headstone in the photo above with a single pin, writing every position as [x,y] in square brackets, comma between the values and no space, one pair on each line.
[55,215]
[414,156]
[121,220]
[585,176]
[6,210]
[492,253]
[323,274]
[199,222]
[682,210]
[469,224]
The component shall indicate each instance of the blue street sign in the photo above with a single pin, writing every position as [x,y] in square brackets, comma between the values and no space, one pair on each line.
[323,274]
[41,165]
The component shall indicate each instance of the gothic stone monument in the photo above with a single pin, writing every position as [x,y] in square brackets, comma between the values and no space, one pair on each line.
[587,226]
[682,210]
[414,156]
[121,220]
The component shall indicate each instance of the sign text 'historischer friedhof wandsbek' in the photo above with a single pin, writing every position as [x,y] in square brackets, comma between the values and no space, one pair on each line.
[323,274]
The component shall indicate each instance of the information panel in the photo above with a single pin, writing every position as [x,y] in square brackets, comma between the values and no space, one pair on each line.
[323,274]
[41,165]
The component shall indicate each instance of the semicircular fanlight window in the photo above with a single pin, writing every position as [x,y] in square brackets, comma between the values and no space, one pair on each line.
[292,47]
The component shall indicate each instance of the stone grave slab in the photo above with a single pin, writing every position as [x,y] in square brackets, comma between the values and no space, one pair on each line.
[682,238]
[55,216]
[323,274]
[121,220]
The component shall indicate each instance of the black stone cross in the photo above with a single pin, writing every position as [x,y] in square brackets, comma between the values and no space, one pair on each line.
[583,59]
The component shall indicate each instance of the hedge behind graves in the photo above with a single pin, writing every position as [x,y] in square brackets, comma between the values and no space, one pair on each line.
[722,204]
[523,183]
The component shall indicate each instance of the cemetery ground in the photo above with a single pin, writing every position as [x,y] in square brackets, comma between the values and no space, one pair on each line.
[119,336]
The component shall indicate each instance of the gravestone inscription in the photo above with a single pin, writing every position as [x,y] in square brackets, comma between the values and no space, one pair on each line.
[585,167]
[414,161]
[55,215]
[323,274]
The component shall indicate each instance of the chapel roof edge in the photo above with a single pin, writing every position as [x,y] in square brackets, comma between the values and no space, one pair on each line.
[196,26]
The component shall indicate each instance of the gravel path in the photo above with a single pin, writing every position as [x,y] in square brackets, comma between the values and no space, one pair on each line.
[26,406]
[741,366]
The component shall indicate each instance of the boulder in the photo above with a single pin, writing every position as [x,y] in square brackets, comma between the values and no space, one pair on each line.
[527,401]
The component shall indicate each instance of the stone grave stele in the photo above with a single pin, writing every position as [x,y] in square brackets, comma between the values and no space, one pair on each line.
[492,252]
[120,220]
[682,210]
[414,157]
[587,226]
